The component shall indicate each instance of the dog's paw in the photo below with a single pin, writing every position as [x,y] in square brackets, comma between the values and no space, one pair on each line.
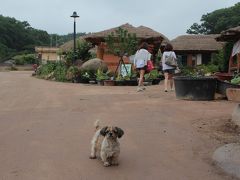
[92,157]
[106,164]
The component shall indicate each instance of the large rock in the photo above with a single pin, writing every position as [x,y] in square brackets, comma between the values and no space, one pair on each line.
[94,65]
[228,158]
[236,115]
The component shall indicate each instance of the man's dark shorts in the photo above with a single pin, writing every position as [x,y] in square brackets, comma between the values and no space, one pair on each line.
[142,68]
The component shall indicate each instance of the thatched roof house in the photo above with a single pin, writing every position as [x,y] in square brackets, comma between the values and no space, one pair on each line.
[143,33]
[69,45]
[196,49]
[232,35]
[196,43]
[47,53]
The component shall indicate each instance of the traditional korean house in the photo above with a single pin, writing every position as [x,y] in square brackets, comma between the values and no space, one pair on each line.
[232,35]
[47,53]
[67,46]
[153,38]
[194,50]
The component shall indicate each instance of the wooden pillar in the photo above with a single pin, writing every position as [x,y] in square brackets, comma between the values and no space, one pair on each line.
[230,64]
[189,60]
[238,62]
[100,51]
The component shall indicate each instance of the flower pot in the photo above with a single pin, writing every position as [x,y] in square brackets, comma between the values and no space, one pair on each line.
[109,83]
[222,87]
[100,83]
[131,82]
[223,76]
[233,94]
[195,88]
[120,83]
[84,81]
[156,81]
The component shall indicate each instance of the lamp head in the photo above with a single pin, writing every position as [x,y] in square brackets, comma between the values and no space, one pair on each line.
[74,15]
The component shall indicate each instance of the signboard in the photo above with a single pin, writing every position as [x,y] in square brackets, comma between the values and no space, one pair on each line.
[123,70]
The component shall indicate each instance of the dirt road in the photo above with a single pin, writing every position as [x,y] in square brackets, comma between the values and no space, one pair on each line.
[46,128]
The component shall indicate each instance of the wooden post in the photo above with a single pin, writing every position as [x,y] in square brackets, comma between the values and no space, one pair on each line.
[189,60]
[100,51]
[238,62]
[230,64]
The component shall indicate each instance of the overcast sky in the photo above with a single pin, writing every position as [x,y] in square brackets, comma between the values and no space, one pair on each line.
[169,17]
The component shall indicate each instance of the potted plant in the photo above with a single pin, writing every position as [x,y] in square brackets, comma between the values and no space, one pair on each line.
[109,82]
[233,93]
[152,77]
[195,84]
[120,81]
[101,76]
[73,74]
[223,85]
[131,79]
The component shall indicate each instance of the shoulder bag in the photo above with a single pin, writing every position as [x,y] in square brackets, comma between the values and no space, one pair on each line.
[170,60]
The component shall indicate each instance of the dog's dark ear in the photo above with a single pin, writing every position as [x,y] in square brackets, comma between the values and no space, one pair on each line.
[104,131]
[120,132]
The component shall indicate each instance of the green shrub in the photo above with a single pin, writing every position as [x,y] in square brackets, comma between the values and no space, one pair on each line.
[236,79]
[200,70]
[100,75]
[25,59]
[152,75]
[60,72]
[87,75]
[46,69]
[53,70]
[82,52]
[72,73]
[218,60]
[30,59]
[19,60]
[82,49]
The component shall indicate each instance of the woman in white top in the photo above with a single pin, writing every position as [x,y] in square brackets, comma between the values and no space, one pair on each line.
[168,70]
[140,61]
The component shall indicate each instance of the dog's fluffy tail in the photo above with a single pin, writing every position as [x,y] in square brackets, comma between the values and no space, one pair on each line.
[97,124]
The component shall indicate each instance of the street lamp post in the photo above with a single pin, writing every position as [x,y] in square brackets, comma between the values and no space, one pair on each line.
[74,15]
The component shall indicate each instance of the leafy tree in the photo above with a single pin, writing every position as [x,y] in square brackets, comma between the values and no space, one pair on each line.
[82,49]
[82,52]
[25,59]
[18,37]
[121,42]
[217,21]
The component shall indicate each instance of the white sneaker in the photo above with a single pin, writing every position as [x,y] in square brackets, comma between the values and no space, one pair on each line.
[139,89]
